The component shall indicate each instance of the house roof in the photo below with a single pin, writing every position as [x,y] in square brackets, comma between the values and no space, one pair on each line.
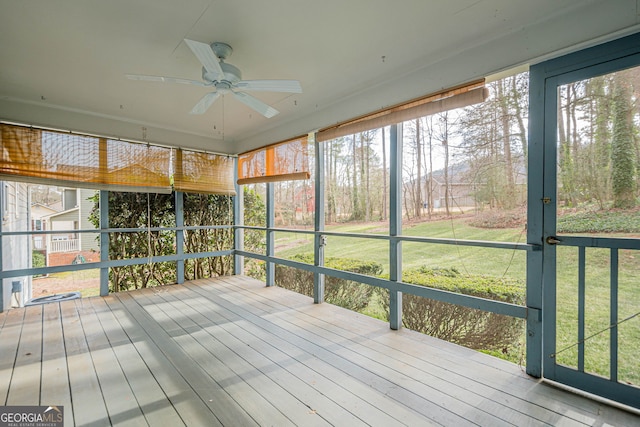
[61,213]
[64,62]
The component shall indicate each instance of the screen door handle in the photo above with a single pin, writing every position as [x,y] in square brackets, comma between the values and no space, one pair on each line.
[553,240]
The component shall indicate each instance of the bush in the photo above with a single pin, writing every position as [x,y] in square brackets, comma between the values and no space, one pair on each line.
[470,327]
[38,260]
[141,210]
[344,293]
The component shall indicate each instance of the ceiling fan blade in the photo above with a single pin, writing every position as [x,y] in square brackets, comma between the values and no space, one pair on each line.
[292,86]
[205,102]
[165,79]
[205,55]
[256,104]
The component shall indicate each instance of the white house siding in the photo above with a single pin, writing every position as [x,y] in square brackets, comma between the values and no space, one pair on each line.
[16,250]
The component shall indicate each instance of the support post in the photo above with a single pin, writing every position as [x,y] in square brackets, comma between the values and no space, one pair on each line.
[104,242]
[319,220]
[535,208]
[2,205]
[270,266]
[238,219]
[395,224]
[179,197]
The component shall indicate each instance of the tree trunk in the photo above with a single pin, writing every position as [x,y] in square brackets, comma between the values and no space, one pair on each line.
[355,214]
[623,165]
[384,177]
[445,143]
[430,189]
[509,198]
[418,191]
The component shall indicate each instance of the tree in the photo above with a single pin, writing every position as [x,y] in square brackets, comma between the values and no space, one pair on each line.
[356,212]
[385,190]
[444,139]
[429,128]
[495,141]
[504,101]
[597,159]
[418,191]
[622,148]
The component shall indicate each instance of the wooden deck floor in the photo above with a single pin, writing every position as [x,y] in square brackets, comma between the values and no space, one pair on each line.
[232,352]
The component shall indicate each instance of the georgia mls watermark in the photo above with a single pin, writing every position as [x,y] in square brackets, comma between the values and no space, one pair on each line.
[31,416]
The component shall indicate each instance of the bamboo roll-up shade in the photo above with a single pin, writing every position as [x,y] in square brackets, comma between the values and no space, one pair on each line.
[450,99]
[284,161]
[73,160]
[203,173]
[137,166]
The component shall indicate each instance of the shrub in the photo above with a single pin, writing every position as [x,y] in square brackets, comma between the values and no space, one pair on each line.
[344,293]
[470,327]
[38,260]
[141,210]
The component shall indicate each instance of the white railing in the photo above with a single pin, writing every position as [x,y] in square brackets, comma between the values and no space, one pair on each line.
[39,243]
[68,245]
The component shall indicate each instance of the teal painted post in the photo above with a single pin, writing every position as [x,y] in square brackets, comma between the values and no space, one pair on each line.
[535,206]
[238,219]
[582,298]
[104,242]
[395,224]
[179,197]
[270,234]
[613,313]
[2,204]
[319,239]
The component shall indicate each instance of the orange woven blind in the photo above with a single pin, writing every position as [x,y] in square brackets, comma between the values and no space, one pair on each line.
[203,173]
[137,165]
[445,100]
[52,158]
[284,161]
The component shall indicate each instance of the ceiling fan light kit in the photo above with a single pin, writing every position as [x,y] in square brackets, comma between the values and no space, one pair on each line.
[225,78]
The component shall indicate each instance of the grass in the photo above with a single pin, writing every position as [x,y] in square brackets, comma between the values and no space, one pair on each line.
[512,263]
[499,262]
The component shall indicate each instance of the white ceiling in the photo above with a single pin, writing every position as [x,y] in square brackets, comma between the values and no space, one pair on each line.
[63,62]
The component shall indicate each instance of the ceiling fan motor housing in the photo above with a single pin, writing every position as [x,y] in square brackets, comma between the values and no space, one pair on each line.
[232,74]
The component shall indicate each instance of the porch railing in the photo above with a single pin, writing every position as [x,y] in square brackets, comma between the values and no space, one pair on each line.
[68,245]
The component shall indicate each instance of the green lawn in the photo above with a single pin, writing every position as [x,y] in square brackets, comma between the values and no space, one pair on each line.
[497,262]
[510,263]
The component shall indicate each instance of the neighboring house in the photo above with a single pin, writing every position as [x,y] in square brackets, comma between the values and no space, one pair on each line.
[16,249]
[68,246]
[38,211]
[464,187]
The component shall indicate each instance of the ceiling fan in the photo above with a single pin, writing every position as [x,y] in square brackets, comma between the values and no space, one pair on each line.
[225,78]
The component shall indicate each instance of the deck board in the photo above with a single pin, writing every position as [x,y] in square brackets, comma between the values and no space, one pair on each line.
[55,387]
[225,360]
[86,396]
[25,383]
[230,351]
[376,388]
[152,400]
[360,398]
[119,399]
[306,404]
[9,342]
[453,384]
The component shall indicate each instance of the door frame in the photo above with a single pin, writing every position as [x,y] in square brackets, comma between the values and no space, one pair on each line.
[545,78]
